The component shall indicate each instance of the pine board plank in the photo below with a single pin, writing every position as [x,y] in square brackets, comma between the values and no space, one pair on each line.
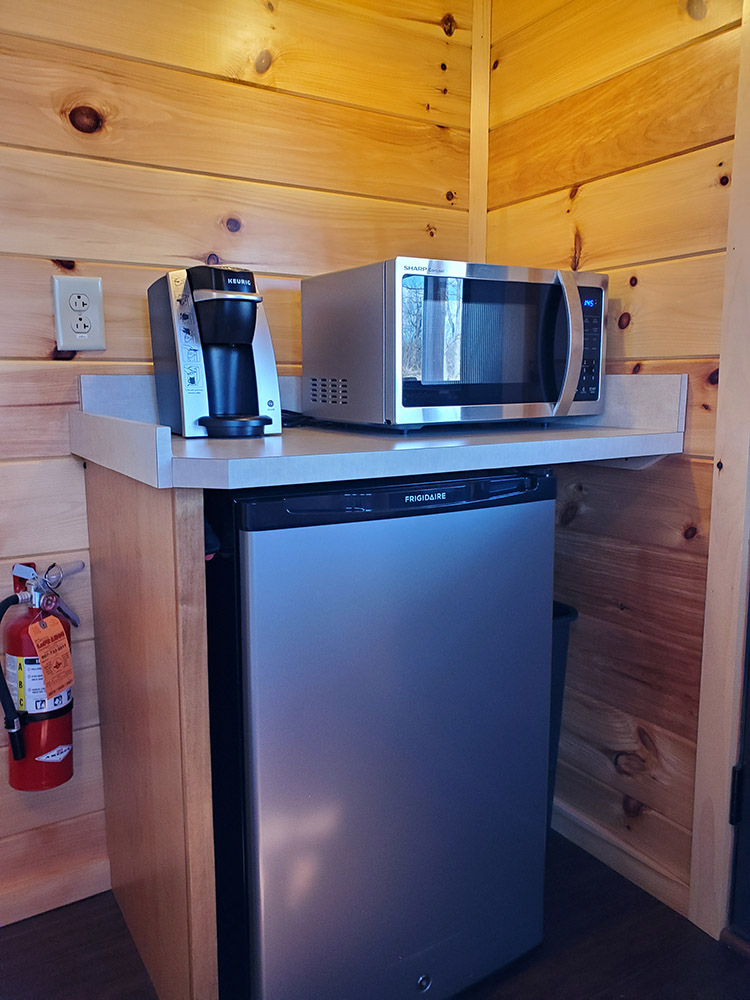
[157,116]
[24,811]
[581,830]
[667,504]
[703,391]
[692,94]
[664,210]
[34,432]
[573,46]
[652,677]
[144,215]
[74,866]
[43,507]
[630,755]
[652,590]
[25,288]
[44,383]
[632,825]
[671,309]
[385,56]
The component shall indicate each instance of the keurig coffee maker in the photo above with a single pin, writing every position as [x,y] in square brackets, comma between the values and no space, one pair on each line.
[214,365]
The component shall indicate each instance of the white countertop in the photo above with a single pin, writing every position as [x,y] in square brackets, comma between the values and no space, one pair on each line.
[644,418]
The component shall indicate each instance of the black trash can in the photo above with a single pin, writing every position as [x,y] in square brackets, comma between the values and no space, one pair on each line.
[563,615]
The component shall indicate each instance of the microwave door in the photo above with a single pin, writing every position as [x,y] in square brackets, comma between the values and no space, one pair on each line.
[574,359]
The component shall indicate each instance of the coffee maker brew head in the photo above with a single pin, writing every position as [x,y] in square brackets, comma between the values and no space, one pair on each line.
[214,363]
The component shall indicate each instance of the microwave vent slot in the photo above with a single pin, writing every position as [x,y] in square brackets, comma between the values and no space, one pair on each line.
[329,390]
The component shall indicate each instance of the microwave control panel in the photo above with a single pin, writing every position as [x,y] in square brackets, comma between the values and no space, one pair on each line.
[593,320]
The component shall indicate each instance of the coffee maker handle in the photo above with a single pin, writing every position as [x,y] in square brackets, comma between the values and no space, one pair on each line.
[208,294]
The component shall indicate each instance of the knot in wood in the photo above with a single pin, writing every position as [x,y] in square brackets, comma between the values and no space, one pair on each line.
[713,378]
[568,514]
[623,320]
[263,62]
[86,119]
[448,24]
[629,763]
[632,807]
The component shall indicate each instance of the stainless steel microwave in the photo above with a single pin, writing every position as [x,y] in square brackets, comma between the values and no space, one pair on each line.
[408,342]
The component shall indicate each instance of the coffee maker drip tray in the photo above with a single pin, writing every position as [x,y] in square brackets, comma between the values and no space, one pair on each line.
[234,425]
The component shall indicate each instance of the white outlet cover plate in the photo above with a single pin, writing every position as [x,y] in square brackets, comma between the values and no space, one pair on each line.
[79,313]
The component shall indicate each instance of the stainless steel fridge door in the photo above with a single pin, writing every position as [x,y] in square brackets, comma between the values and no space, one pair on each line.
[397,701]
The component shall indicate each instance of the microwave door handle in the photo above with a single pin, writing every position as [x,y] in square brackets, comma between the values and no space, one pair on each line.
[575,343]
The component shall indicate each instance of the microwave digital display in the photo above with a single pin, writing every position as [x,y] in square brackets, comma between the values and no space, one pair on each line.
[482,342]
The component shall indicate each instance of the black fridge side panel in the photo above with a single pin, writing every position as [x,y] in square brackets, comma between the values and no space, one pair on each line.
[227,753]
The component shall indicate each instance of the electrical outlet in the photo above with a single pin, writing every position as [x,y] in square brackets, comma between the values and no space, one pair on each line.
[79,313]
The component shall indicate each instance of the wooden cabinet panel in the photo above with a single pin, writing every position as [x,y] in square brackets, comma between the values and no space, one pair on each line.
[671,309]
[150,634]
[636,758]
[157,116]
[143,215]
[409,59]
[558,50]
[609,128]
[75,866]
[672,208]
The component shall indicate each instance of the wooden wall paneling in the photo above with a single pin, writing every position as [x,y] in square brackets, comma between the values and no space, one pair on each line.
[653,589]
[667,504]
[163,117]
[145,215]
[43,507]
[703,390]
[74,857]
[632,756]
[571,47]
[410,59]
[667,209]
[727,591]
[34,432]
[666,845]
[671,309]
[479,148]
[20,811]
[148,755]
[652,677]
[691,101]
[578,826]
[29,333]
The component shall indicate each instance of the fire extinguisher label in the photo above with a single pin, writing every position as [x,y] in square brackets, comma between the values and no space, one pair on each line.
[26,683]
[56,755]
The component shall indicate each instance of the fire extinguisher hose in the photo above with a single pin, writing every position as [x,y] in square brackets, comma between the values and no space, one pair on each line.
[12,718]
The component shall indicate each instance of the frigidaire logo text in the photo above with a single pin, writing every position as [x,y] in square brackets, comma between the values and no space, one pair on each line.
[424,497]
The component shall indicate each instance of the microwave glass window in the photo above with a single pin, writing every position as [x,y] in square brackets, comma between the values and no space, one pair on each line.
[474,342]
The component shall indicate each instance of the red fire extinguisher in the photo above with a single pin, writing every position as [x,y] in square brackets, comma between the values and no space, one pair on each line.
[36,690]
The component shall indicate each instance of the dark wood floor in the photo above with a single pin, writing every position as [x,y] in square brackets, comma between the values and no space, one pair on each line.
[604,940]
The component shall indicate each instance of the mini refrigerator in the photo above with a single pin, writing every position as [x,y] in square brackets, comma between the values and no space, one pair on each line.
[379,661]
